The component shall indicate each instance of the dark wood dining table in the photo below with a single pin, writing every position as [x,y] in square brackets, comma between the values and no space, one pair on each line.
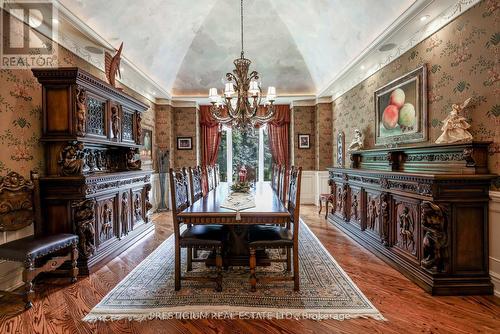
[269,209]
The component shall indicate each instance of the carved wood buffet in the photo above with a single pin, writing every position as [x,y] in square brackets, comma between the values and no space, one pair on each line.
[422,209]
[93,184]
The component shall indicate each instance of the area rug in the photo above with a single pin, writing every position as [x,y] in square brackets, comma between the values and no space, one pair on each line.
[326,292]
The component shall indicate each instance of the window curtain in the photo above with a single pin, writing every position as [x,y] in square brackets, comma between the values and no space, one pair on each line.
[278,130]
[211,138]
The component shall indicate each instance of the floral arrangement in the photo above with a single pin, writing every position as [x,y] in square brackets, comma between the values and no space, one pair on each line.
[241,187]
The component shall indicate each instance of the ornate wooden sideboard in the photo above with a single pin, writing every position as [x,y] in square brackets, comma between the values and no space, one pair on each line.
[93,184]
[422,209]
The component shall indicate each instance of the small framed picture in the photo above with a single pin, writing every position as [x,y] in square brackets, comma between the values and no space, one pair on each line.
[184,143]
[304,141]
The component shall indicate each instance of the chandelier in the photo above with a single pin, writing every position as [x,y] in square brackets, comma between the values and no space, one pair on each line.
[242,104]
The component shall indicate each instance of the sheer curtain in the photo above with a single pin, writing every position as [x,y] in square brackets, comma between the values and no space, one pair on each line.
[211,138]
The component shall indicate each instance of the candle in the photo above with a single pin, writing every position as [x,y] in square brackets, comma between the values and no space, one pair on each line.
[229,89]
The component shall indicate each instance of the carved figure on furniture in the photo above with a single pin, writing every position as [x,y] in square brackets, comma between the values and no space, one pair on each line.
[435,237]
[406,228]
[138,128]
[358,141]
[355,206]
[385,215]
[71,159]
[132,163]
[455,127]
[81,111]
[344,203]
[107,222]
[84,217]
[101,160]
[112,65]
[115,122]
[372,213]
[137,208]
[125,214]
[338,206]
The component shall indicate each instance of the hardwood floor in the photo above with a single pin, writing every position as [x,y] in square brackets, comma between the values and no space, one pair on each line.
[59,307]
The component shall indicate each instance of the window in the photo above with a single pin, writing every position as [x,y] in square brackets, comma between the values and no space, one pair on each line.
[250,149]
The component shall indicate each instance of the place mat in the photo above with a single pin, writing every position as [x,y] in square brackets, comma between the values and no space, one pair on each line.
[238,201]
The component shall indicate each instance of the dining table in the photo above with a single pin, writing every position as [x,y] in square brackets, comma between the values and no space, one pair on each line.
[267,209]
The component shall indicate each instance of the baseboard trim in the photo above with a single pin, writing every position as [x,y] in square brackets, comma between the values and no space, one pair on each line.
[495,279]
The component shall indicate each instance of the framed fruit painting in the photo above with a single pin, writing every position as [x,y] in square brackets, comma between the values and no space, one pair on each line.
[401,109]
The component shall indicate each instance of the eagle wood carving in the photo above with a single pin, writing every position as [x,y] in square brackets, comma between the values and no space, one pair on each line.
[112,65]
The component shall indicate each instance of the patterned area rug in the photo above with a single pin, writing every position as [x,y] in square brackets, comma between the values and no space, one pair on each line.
[326,292]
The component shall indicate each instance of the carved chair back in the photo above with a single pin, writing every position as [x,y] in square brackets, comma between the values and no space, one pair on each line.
[283,182]
[196,188]
[210,177]
[294,197]
[19,202]
[179,195]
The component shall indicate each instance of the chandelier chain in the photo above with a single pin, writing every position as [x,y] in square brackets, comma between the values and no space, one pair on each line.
[241,16]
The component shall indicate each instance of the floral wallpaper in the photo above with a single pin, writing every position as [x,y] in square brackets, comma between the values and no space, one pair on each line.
[21,112]
[184,126]
[164,129]
[304,123]
[462,60]
[324,136]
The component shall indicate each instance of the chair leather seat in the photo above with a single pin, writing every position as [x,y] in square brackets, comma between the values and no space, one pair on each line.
[203,235]
[268,236]
[32,248]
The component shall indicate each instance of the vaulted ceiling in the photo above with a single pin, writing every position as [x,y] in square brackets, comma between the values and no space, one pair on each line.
[299,46]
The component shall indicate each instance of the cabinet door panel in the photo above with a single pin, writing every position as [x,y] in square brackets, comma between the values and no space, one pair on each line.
[406,220]
[96,120]
[107,220]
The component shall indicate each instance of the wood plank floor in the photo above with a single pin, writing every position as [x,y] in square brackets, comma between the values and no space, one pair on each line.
[59,307]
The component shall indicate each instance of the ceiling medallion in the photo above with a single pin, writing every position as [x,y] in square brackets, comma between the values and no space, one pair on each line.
[242,105]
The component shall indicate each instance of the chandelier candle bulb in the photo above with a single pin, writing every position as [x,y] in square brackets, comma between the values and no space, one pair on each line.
[254,88]
[229,89]
[212,94]
[271,93]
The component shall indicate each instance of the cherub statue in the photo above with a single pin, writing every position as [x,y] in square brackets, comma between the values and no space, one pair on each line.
[455,127]
[358,141]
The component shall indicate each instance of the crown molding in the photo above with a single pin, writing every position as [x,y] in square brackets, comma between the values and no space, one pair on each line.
[163,102]
[443,12]
[184,104]
[303,103]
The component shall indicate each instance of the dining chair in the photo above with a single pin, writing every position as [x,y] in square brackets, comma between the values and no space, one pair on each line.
[193,236]
[196,192]
[283,182]
[195,183]
[278,237]
[210,177]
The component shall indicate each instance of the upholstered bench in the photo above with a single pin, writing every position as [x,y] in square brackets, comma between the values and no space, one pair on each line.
[18,209]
